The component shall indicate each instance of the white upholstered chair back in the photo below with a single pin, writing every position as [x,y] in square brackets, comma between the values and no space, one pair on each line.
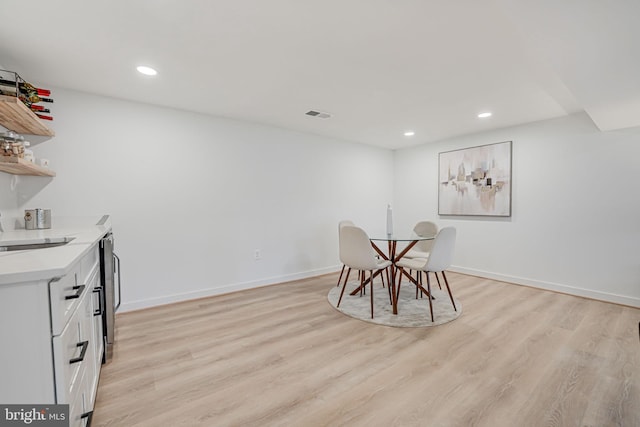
[340,225]
[425,228]
[441,254]
[355,249]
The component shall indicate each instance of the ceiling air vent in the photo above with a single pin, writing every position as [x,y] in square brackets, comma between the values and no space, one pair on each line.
[319,114]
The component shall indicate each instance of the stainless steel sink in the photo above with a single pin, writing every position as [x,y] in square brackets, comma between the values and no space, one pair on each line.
[46,243]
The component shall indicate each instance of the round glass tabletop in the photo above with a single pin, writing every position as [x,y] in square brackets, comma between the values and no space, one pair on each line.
[400,237]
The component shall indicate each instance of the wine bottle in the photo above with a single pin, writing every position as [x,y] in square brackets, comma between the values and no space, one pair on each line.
[28,100]
[27,87]
[26,96]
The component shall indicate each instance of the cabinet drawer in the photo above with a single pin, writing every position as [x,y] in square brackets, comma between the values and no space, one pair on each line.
[65,293]
[68,347]
[79,408]
[76,407]
[88,264]
[73,351]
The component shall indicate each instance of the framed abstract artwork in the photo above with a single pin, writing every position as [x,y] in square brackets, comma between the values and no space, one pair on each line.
[475,181]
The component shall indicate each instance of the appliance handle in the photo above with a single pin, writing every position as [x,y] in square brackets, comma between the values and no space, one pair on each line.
[119,287]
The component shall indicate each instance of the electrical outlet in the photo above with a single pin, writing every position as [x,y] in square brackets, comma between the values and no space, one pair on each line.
[257,254]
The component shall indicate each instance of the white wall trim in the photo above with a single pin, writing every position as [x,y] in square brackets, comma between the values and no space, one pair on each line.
[556,287]
[169,299]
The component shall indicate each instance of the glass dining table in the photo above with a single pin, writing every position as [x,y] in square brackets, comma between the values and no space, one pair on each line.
[392,255]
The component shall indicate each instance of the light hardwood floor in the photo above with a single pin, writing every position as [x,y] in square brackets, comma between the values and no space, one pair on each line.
[282,356]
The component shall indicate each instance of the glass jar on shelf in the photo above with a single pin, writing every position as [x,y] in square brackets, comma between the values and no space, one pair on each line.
[12,144]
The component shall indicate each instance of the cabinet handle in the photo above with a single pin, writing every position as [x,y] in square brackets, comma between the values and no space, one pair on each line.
[88,416]
[84,345]
[79,290]
[119,283]
[100,310]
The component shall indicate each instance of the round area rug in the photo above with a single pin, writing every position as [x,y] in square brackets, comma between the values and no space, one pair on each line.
[412,312]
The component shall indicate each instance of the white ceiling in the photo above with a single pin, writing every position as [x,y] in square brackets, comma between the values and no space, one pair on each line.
[380,67]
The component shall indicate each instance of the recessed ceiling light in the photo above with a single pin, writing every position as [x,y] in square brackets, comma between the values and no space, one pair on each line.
[409,133]
[147,71]
[484,115]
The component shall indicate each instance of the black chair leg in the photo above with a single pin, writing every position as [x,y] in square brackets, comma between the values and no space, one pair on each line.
[341,273]
[438,279]
[446,282]
[386,270]
[399,273]
[346,279]
[371,283]
[429,296]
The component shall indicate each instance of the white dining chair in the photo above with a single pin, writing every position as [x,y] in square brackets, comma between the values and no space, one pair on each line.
[422,247]
[357,253]
[440,258]
[340,225]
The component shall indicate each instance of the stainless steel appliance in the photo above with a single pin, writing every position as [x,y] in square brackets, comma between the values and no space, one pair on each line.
[110,278]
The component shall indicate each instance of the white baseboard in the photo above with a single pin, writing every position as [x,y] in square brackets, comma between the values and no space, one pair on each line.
[556,287]
[169,299]
[565,289]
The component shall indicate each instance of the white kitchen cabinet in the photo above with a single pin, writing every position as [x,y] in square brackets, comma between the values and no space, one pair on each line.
[51,339]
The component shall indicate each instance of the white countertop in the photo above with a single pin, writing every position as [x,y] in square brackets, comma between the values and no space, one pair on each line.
[42,264]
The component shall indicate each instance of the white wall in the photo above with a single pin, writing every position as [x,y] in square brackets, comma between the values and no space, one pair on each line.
[8,199]
[191,196]
[575,224]
[8,195]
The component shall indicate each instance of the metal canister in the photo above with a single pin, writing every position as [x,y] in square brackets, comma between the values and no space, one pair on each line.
[30,219]
[47,218]
[43,218]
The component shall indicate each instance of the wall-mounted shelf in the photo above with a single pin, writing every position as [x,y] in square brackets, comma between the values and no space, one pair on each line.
[19,166]
[16,116]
